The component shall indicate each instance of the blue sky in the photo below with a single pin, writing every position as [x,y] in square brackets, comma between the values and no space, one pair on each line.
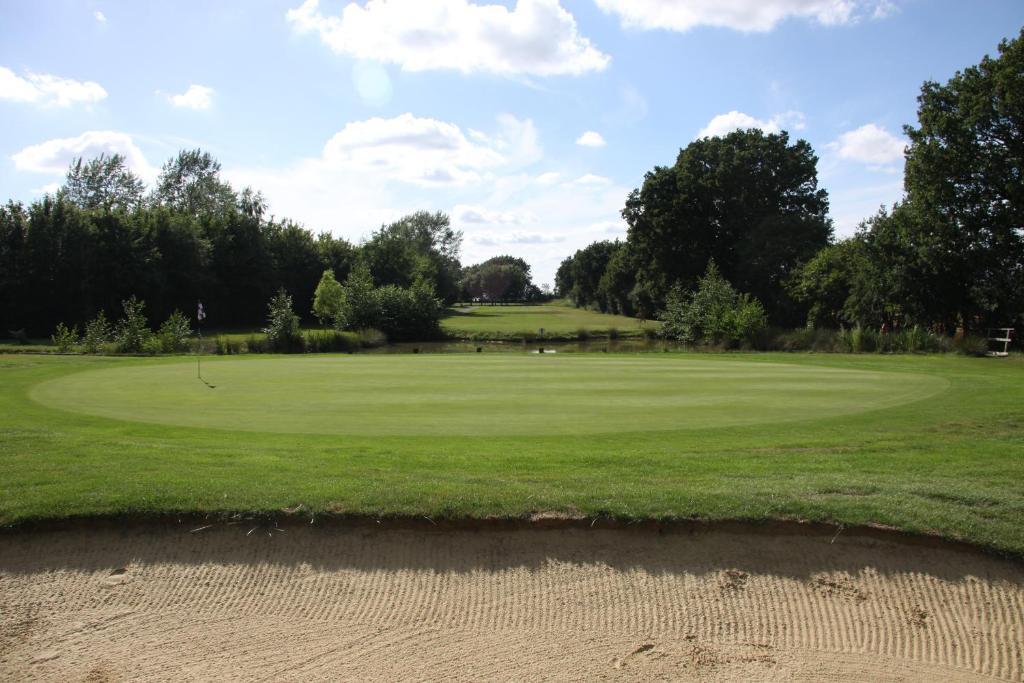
[527,122]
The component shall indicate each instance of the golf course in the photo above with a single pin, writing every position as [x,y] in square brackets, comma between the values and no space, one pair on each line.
[688,515]
[463,340]
[928,444]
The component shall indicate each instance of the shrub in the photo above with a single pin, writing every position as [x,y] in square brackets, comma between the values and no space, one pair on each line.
[19,336]
[371,338]
[152,345]
[283,332]
[325,341]
[969,345]
[329,301]
[256,344]
[583,334]
[613,333]
[412,314]
[361,306]
[64,338]
[714,314]
[132,331]
[97,333]
[174,333]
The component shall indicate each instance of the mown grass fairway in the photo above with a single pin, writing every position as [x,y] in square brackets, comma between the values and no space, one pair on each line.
[557,318]
[478,395]
[925,443]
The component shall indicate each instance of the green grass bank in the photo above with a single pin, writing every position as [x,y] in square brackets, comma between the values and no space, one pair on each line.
[929,444]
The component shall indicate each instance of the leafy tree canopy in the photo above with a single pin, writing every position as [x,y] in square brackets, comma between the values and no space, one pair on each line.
[104,182]
[748,200]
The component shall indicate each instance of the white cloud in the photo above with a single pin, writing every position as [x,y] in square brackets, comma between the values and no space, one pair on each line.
[615,228]
[54,156]
[100,17]
[741,15]
[47,89]
[494,239]
[372,172]
[48,188]
[465,213]
[196,97]
[724,124]
[870,144]
[416,150]
[591,139]
[536,37]
[591,180]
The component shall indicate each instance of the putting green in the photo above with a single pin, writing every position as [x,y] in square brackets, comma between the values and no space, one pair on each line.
[472,395]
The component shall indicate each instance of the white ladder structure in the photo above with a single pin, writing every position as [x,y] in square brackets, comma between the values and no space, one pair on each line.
[1000,335]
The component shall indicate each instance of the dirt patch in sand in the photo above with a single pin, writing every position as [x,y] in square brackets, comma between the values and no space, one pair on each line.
[343,603]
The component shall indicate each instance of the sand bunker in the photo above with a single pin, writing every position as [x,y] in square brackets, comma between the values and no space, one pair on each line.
[152,603]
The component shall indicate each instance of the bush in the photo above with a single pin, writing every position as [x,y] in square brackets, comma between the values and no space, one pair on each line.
[329,301]
[132,331]
[969,345]
[860,340]
[283,332]
[174,333]
[361,310]
[582,333]
[256,344]
[412,314]
[371,338]
[19,336]
[326,341]
[63,338]
[97,333]
[713,314]
[152,345]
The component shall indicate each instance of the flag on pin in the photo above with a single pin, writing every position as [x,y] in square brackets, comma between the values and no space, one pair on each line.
[201,312]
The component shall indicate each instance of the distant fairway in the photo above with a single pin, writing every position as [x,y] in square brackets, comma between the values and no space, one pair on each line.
[557,318]
[470,395]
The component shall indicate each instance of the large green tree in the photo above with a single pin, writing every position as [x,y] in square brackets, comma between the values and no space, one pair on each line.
[749,200]
[420,246]
[104,182]
[190,183]
[964,180]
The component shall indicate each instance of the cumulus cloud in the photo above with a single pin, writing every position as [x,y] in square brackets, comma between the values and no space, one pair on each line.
[415,150]
[494,239]
[536,37]
[591,180]
[196,97]
[741,15]
[54,156]
[591,139]
[100,17]
[870,144]
[48,90]
[464,213]
[737,120]
[617,228]
[549,178]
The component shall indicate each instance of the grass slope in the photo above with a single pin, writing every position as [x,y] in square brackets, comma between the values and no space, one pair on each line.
[950,462]
[557,318]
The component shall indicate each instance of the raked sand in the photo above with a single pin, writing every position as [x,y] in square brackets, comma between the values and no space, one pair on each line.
[363,602]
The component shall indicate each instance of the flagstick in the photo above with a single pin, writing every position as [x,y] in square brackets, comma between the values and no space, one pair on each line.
[199,353]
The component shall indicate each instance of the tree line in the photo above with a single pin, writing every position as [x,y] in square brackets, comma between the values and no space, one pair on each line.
[102,239]
[746,207]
